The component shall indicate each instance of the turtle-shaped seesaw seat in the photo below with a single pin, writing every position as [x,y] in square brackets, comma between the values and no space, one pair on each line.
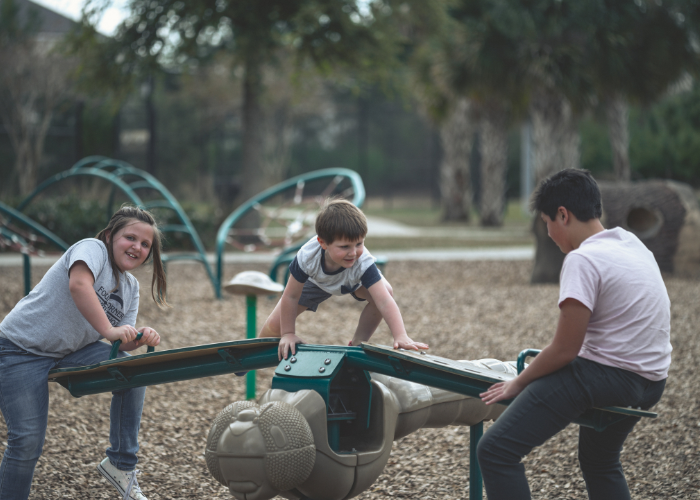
[324,430]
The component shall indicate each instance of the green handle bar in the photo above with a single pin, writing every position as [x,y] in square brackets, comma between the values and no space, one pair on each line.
[117,343]
[527,353]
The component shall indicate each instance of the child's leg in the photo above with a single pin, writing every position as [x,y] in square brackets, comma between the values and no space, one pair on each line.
[24,403]
[544,408]
[124,423]
[599,452]
[370,316]
[548,405]
[273,324]
[125,410]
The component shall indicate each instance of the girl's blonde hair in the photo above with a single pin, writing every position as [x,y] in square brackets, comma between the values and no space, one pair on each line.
[123,217]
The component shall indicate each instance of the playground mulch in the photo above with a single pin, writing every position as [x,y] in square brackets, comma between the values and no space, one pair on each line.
[464,310]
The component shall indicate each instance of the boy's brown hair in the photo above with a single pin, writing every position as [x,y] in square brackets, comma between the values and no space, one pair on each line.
[340,219]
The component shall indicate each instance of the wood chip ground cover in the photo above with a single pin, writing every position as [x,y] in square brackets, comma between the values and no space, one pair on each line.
[464,310]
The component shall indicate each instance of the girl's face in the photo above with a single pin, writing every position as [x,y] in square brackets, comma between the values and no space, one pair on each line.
[131,245]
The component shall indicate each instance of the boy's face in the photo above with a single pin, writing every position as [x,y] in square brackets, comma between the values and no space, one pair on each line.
[343,252]
[556,229]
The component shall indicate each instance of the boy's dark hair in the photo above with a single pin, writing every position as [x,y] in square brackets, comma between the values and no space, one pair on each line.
[574,189]
[126,216]
[340,219]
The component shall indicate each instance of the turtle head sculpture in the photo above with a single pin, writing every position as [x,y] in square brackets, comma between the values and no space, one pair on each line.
[258,451]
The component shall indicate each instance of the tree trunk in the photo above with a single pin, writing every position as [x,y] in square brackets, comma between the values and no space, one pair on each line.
[548,257]
[276,138]
[555,135]
[494,156]
[252,181]
[35,149]
[456,135]
[617,115]
[556,143]
[152,123]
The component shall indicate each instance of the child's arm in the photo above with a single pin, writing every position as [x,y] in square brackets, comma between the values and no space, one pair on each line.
[288,317]
[80,282]
[390,312]
[567,342]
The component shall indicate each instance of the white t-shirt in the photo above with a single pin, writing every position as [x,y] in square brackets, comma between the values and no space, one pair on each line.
[309,264]
[48,323]
[614,275]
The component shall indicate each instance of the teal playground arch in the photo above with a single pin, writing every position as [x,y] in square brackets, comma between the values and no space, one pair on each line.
[128,179]
[285,223]
[16,238]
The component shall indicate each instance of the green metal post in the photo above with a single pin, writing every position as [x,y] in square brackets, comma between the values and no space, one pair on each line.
[27,274]
[251,331]
[476,484]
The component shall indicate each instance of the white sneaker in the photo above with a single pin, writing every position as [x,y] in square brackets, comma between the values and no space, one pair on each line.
[125,482]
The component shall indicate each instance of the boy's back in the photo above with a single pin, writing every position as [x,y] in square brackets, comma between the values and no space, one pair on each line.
[616,277]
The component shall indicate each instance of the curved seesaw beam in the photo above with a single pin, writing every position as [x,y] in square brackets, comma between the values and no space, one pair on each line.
[252,354]
[163,367]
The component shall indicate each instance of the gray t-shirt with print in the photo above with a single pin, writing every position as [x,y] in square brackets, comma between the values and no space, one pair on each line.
[48,323]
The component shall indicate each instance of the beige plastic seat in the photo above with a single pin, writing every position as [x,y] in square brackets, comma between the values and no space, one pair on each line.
[252,283]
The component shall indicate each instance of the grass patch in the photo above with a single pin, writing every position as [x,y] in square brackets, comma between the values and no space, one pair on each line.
[377,243]
[422,214]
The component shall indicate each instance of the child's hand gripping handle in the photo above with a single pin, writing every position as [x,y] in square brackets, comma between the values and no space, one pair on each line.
[117,343]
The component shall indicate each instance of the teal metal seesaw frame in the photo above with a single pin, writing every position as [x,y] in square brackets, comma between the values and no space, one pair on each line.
[335,176]
[339,374]
[117,172]
[7,232]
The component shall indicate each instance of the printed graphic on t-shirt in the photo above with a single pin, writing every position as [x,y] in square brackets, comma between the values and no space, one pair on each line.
[112,304]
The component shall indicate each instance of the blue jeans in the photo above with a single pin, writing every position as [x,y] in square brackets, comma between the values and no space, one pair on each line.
[547,406]
[24,402]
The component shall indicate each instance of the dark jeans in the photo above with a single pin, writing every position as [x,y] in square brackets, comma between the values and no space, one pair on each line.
[547,406]
[24,403]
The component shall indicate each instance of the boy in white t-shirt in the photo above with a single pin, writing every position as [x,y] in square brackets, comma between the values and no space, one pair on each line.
[336,262]
[611,347]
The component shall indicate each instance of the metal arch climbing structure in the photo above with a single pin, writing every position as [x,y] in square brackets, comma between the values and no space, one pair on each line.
[15,238]
[285,225]
[128,179]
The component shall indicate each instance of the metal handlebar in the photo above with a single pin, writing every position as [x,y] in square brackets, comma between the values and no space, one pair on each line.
[115,347]
[524,355]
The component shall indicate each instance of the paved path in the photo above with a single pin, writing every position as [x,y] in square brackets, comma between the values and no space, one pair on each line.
[383,228]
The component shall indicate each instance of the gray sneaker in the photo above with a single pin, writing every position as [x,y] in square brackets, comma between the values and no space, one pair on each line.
[125,482]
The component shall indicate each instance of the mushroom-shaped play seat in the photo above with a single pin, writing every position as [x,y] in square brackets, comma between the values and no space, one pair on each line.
[252,283]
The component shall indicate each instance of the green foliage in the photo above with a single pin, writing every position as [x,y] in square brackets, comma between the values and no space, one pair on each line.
[70,217]
[102,70]
[587,50]
[637,49]
[74,217]
[665,139]
[596,153]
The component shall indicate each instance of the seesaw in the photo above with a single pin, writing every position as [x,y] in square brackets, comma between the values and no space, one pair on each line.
[345,402]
